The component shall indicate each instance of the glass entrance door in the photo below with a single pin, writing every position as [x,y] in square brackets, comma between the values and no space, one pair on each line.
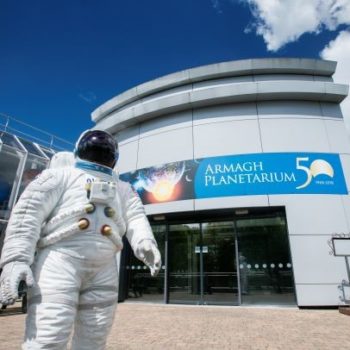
[264,259]
[202,263]
[141,285]
[220,283]
[184,267]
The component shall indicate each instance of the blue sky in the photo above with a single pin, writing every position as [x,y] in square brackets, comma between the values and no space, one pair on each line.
[59,60]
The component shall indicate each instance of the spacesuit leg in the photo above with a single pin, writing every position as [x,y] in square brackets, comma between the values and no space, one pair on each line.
[52,302]
[97,306]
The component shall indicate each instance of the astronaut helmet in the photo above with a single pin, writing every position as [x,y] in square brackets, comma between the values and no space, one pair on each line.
[97,146]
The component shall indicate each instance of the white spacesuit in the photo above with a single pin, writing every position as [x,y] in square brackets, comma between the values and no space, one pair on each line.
[68,224]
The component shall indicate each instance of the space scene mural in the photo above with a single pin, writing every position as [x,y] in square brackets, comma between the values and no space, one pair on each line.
[164,183]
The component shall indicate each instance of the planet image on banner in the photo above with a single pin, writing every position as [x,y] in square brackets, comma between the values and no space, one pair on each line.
[162,182]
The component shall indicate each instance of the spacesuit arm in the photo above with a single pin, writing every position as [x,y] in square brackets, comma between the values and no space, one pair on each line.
[139,233]
[138,228]
[27,217]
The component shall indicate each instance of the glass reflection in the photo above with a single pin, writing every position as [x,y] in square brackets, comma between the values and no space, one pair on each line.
[30,147]
[219,267]
[184,263]
[264,261]
[10,161]
[10,140]
[141,285]
[33,167]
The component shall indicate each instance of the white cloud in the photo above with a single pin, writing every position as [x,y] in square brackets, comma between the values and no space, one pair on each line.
[339,50]
[282,21]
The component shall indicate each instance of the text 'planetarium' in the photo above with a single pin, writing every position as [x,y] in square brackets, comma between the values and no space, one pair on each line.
[244,171]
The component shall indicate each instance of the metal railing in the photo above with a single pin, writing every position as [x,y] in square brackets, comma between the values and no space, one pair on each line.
[31,133]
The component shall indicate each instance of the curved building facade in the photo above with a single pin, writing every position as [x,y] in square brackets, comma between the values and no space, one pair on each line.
[244,171]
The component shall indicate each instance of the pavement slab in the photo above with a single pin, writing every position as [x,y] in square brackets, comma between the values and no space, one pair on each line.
[141,326]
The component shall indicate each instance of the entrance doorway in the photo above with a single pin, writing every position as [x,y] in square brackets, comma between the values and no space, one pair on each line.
[221,258]
[202,263]
[265,266]
[136,282]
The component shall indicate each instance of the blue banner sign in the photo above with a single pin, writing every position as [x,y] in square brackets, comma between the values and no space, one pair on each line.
[240,175]
[270,173]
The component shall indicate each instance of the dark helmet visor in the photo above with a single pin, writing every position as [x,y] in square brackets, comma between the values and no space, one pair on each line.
[99,147]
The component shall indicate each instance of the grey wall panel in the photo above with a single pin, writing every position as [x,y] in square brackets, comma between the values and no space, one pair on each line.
[331,110]
[166,123]
[345,162]
[317,294]
[222,69]
[338,137]
[323,78]
[231,202]
[235,137]
[165,147]
[312,214]
[264,77]
[312,262]
[168,92]
[334,91]
[146,110]
[170,207]
[309,66]
[128,135]
[223,81]
[114,121]
[219,94]
[346,204]
[127,157]
[224,113]
[164,82]
[280,109]
[292,88]
[294,135]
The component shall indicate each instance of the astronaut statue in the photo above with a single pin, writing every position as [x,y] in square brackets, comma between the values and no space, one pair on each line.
[62,239]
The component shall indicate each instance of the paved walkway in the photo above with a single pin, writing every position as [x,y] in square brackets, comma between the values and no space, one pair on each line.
[163,327]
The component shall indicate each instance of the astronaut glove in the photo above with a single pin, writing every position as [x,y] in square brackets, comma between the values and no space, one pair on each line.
[12,273]
[149,254]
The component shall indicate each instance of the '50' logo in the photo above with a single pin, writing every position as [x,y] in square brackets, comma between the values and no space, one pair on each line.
[317,167]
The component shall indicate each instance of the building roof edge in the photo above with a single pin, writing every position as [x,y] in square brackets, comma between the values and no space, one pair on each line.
[305,66]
